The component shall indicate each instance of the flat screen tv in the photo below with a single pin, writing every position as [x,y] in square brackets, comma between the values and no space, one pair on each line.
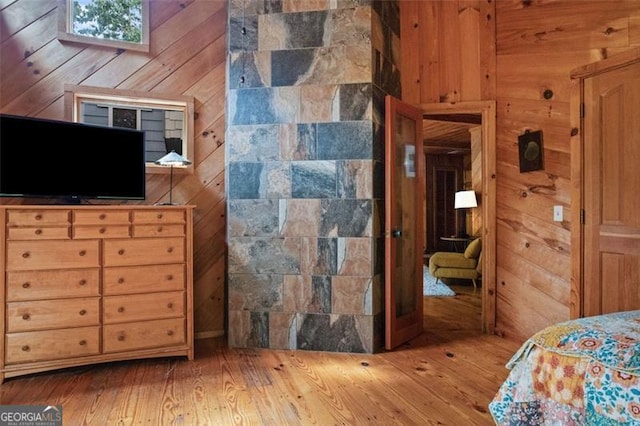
[70,161]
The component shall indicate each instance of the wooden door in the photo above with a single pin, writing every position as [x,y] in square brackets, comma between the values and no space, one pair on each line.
[404,236]
[611,181]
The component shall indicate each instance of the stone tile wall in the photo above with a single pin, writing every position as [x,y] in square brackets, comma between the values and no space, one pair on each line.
[305,179]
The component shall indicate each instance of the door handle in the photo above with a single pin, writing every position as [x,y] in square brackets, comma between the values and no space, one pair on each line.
[396,233]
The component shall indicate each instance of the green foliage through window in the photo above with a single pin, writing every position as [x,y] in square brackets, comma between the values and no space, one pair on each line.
[108,19]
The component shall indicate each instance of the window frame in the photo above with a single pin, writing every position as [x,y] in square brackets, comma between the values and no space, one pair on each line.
[65,32]
[74,95]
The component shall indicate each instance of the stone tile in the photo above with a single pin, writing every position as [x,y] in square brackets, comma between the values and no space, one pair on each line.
[334,333]
[243,33]
[357,66]
[276,180]
[346,218]
[244,180]
[250,218]
[293,30]
[349,140]
[264,255]
[263,105]
[240,324]
[355,102]
[350,26]
[305,5]
[257,143]
[254,7]
[319,103]
[313,179]
[299,218]
[259,332]
[299,142]
[319,256]
[355,257]
[256,292]
[280,326]
[351,295]
[306,293]
[249,70]
[355,179]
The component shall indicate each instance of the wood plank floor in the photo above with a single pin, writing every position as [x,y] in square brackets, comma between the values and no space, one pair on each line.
[447,376]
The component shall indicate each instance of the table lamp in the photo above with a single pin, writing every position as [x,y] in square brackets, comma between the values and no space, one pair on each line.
[465,200]
[172,159]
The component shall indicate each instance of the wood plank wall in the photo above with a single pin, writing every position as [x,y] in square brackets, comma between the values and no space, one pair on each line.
[187,57]
[513,51]
[507,50]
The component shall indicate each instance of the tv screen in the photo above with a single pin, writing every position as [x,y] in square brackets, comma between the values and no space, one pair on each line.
[48,158]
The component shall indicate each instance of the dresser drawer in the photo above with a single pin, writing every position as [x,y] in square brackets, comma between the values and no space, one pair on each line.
[100,217]
[100,231]
[143,335]
[40,233]
[170,230]
[138,307]
[49,314]
[52,344]
[157,216]
[143,279]
[30,255]
[143,251]
[38,218]
[32,285]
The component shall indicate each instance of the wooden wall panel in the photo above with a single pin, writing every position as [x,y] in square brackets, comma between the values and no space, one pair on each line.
[526,48]
[187,57]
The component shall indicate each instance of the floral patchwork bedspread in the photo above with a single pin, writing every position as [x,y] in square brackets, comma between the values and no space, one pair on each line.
[579,372]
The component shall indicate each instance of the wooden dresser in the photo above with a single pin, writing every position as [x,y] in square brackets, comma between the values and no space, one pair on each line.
[90,284]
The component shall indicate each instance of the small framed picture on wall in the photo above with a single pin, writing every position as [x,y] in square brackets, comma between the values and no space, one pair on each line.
[530,151]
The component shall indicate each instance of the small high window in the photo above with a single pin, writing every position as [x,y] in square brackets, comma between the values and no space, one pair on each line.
[117,23]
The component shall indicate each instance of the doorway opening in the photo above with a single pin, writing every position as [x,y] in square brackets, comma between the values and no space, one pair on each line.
[459,145]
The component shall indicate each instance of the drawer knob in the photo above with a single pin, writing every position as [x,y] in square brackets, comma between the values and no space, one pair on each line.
[83,282]
[26,348]
[102,230]
[170,305]
[38,231]
[121,309]
[102,216]
[26,285]
[169,277]
[26,317]
[121,337]
[120,280]
[82,343]
[26,255]
[159,229]
[82,312]
[159,215]
[82,252]
[38,217]
[169,332]
[121,252]
[170,250]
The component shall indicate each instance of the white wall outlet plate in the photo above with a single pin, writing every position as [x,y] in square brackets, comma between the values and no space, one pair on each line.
[557,213]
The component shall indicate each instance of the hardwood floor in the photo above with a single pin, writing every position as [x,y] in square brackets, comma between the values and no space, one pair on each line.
[446,376]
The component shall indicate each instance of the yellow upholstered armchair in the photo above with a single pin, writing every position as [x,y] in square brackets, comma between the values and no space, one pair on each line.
[467,265]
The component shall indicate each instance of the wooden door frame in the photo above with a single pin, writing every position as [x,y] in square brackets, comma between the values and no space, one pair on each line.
[487,110]
[577,100]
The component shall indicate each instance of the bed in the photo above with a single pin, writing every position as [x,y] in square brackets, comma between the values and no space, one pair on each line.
[579,372]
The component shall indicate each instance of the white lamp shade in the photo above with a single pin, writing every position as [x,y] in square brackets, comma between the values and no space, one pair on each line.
[173,159]
[465,200]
